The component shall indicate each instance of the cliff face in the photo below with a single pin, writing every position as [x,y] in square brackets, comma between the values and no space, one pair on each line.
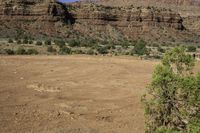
[53,19]
[146,2]
[41,16]
[30,9]
[129,20]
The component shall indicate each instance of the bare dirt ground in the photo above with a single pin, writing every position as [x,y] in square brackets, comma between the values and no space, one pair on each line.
[72,94]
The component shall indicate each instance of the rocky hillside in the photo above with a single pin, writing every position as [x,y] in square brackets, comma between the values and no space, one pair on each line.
[48,18]
[147,2]
[36,17]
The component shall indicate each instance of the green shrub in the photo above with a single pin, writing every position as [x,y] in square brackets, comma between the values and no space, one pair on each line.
[10,41]
[51,49]
[25,41]
[140,48]
[65,50]
[78,51]
[19,42]
[47,42]
[9,52]
[102,50]
[21,51]
[172,101]
[30,42]
[39,43]
[161,50]
[90,52]
[166,130]
[74,43]
[60,43]
[191,49]
[32,52]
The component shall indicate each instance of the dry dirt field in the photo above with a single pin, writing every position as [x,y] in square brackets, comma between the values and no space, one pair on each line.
[72,94]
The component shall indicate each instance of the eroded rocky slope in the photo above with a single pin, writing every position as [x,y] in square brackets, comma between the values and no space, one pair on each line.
[49,18]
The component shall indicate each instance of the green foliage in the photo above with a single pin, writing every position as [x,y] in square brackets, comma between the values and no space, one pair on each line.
[21,51]
[78,51]
[166,130]
[65,50]
[51,49]
[60,43]
[90,52]
[19,42]
[39,43]
[32,52]
[161,50]
[140,48]
[30,42]
[9,52]
[10,41]
[74,43]
[191,49]
[47,42]
[173,98]
[25,41]
[102,50]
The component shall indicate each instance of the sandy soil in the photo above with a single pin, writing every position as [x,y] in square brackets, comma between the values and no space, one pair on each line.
[72,94]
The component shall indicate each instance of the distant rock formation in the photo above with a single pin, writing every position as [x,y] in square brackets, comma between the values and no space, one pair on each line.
[50,18]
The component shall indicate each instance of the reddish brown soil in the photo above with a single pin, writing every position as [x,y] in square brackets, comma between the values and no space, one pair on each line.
[72,94]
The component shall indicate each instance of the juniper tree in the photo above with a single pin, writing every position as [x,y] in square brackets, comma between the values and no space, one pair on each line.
[172,103]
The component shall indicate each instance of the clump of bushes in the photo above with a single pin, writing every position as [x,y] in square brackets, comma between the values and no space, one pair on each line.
[102,50]
[25,41]
[9,52]
[78,51]
[51,49]
[65,50]
[20,51]
[161,50]
[10,41]
[60,43]
[39,43]
[140,48]
[74,43]
[47,42]
[30,42]
[191,49]
[32,52]
[90,52]
[19,42]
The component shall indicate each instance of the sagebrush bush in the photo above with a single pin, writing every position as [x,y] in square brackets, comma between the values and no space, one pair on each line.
[65,50]
[191,49]
[9,52]
[20,51]
[39,43]
[47,42]
[32,52]
[102,50]
[25,41]
[60,43]
[19,42]
[10,41]
[51,49]
[74,43]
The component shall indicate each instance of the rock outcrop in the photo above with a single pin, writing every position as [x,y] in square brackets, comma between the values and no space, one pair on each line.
[34,16]
[49,18]
[130,20]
